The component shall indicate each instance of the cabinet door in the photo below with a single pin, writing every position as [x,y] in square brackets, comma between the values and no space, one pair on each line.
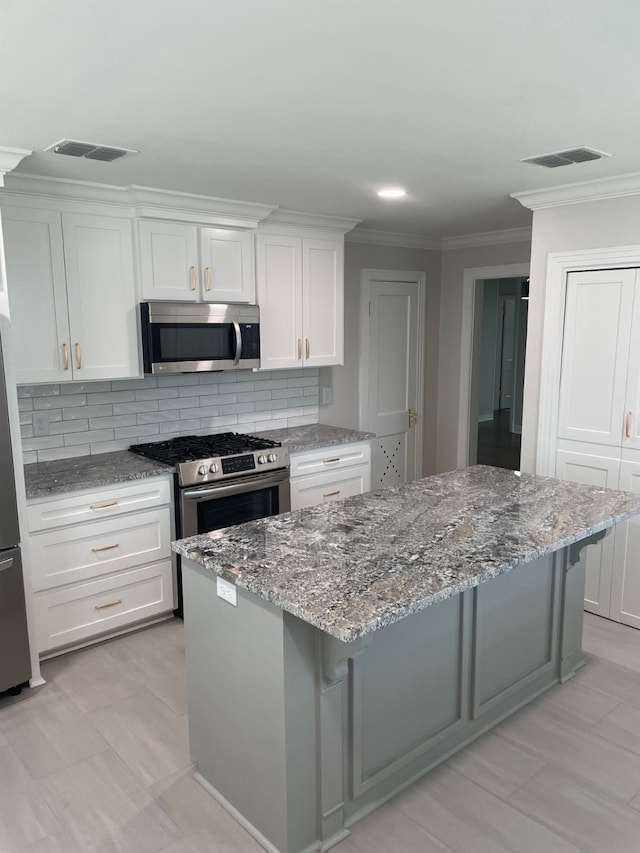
[37,294]
[602,471]
[631,431]
[168,260]
[594,356]
[323,302]
[279,295]
[332,486]
[98,252]
[226,260]
[625,584]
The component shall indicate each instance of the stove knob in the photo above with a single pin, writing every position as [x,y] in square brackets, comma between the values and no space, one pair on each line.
[213,468]
[272,457]
[203,470]
[262,460]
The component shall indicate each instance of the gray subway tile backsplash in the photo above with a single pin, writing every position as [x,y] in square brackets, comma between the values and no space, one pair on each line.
[100,417]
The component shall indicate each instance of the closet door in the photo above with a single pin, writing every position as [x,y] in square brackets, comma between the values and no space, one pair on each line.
[593,380]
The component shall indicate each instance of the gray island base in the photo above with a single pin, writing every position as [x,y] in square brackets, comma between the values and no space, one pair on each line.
[299,733]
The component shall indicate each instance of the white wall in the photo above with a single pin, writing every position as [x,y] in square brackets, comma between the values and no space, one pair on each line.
[591,225]
[344,381]
[454,263]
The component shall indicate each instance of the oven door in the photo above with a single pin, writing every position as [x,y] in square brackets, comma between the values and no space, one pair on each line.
[206,508]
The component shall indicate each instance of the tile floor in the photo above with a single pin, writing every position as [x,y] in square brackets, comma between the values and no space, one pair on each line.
[97,760]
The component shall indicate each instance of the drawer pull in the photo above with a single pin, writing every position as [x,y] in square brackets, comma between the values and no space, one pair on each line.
[207,278]
[78,357]
[105,548]
[331,494]
[333,459]
[109,604]
[104,505]
[192,276]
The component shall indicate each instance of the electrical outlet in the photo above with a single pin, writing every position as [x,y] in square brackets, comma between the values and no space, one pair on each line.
[41,423]
[327,395]
[227,591]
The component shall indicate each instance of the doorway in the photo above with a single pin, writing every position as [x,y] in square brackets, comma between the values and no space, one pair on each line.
[391,372]
[502,309]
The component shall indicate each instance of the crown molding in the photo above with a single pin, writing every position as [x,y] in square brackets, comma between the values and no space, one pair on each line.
[142,201]
[313,221]
[487,238]
[393,238]
[9,159]
[581,192]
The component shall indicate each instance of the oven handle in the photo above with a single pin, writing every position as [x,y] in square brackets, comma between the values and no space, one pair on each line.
[246,486]
[236,326]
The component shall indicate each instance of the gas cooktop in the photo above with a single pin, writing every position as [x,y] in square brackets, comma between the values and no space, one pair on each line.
[207,458]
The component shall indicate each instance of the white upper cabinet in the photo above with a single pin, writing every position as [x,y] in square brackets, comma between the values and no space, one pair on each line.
[323,302]
[98,253]
[71,295]
[226,260]
[168,260]
[37,294]
[300,291]
[279,294]
[184,262]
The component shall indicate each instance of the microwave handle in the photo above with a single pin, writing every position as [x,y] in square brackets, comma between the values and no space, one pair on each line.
[236,359]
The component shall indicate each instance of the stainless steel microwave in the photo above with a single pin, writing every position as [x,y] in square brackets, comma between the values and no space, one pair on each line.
[186,337]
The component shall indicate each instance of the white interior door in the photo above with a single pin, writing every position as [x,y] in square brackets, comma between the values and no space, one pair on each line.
[392,375]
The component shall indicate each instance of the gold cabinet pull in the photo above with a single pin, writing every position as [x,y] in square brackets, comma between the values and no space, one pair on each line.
[331,494]
[65,356]
[105,548]
[332,459]
[192,277]
[104,505]
[207,278]
[108,604]
[78,357]
[627,426]
[307,347]
[299,348]
[412,418]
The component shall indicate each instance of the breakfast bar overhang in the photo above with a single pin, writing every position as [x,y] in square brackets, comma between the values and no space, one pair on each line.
[373,637]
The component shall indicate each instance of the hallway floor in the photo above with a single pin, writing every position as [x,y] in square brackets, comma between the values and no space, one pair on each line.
[98,760]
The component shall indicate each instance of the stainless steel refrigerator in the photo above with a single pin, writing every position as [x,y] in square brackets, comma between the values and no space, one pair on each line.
[15,660]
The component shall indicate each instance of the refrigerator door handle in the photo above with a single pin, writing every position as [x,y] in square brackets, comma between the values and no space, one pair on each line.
[6,564]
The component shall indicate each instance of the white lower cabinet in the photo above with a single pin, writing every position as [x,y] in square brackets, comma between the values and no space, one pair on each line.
[100,561]
[329,474]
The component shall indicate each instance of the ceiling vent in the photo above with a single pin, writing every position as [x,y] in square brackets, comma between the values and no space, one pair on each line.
[89,150]
[566,158]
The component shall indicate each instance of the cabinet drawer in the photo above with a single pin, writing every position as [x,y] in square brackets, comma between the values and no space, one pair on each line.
[94,505]
[72,614]
[323,488]
[69,554]
[330,458]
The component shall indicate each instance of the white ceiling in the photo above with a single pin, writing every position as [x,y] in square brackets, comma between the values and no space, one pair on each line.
[314,104]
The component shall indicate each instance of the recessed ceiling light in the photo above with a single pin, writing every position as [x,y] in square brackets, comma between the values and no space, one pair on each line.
[392,192]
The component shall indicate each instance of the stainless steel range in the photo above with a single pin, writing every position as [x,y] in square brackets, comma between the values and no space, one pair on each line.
[222,480]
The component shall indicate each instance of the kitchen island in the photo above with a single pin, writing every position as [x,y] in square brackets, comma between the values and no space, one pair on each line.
[373,637]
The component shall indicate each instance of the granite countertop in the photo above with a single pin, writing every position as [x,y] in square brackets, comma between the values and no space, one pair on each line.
[45,479]
[353,566]
[314,436]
